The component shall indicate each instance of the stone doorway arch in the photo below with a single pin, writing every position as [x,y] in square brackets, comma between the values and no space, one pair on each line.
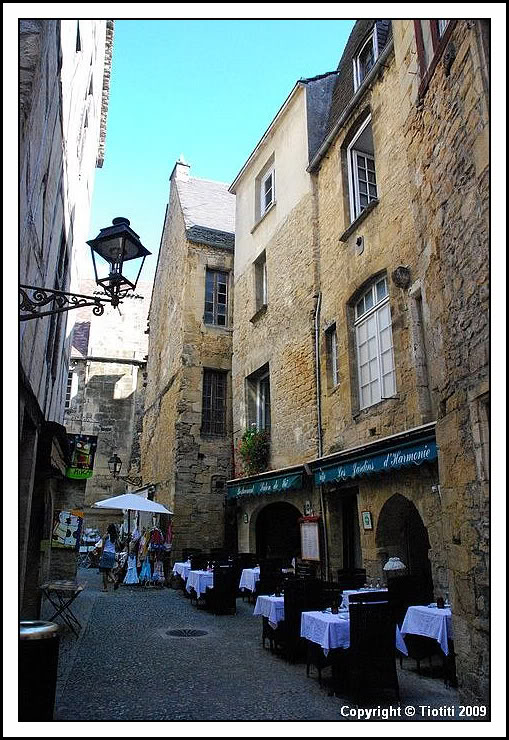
[277,531]
[401,532]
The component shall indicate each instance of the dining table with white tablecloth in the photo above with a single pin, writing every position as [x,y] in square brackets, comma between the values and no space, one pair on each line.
[272,607]
[332,631]
[200,581]
[350,592]
[249,578]
[429,621]
[182,569]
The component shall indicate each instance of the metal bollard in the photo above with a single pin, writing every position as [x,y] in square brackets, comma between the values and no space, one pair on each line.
[39,644]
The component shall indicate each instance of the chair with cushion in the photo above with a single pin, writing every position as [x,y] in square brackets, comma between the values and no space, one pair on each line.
[369,664]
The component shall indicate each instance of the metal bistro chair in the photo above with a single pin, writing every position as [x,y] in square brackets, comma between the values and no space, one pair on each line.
[370,661]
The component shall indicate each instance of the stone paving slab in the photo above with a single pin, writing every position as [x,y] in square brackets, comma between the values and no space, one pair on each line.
[124,667]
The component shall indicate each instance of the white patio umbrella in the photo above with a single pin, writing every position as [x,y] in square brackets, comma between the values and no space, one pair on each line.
[131,502]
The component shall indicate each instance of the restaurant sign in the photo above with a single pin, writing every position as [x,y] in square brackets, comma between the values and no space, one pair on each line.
[272,485]
[393,459]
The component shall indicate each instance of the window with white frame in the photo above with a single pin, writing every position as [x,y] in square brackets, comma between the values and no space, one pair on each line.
[216,298]
[375,352]
[361,170]
[258,392]
[332,356]
[365,59]
[267,191]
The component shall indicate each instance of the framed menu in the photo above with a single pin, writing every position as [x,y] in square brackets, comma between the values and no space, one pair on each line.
[309,538]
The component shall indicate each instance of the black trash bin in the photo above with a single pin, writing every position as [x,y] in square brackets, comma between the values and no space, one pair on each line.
[39,644]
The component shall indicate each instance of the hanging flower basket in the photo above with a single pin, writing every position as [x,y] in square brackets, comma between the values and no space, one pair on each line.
[254,449]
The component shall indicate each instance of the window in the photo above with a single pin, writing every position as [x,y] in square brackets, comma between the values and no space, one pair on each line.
[361,170]
[265,189]
[267,192]
[216,298]
[261,281]
[375,355]
[431,38]
[364,61]
[332,356]
[68,391]
[258,390]
[214,403]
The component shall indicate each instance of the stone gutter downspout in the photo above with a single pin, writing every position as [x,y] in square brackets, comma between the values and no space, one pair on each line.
[319,426]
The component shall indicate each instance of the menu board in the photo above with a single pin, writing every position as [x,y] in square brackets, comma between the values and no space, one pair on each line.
[309,541]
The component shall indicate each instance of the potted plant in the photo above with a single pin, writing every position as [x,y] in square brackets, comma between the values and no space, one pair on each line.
[254,449]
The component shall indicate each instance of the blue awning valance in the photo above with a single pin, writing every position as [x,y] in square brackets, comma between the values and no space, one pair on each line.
[277,484]
[406,455]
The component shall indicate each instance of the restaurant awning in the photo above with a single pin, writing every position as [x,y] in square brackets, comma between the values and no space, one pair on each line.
[289,481]
[415,447]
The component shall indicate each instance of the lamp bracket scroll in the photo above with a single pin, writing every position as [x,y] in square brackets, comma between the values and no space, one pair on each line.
[32,299]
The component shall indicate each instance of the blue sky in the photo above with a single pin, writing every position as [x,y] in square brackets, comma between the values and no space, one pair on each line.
[206,89]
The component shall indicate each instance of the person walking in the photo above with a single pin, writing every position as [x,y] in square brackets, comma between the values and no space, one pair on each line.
[108,561]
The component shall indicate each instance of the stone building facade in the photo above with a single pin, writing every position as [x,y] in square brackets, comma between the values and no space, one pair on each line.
[106,389]
[63,88]
[187,424]
[445,122]
[361,319]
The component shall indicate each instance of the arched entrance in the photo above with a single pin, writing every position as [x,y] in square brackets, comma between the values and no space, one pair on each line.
[277,531]
[401,532]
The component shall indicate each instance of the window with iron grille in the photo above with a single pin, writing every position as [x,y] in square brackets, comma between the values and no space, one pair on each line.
[214,403]
[216,298]
[68,390]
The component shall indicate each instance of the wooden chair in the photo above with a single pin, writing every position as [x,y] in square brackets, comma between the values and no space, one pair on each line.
[330,594]
[300,595]
[222,598]
[370,661]
[351,578]
[368,597]
[271,577]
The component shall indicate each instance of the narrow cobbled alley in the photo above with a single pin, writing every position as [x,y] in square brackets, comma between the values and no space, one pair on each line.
[124,666]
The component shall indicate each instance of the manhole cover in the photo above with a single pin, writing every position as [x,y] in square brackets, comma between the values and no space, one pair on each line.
[186,633]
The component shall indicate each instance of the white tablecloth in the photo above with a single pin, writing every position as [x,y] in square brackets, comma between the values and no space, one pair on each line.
[333,630]
[272,607]
[248,578]
[347,593]
[429,622]
[200,580]
[182,569]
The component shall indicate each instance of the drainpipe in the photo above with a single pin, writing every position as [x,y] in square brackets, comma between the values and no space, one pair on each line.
[319,425]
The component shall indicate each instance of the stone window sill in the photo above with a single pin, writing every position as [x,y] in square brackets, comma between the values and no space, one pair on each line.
[261,311]
[360,218]
[269,209]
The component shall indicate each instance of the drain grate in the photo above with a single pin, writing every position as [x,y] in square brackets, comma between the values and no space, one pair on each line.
[186,633]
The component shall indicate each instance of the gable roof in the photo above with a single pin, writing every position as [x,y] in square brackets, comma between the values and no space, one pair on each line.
[209,211]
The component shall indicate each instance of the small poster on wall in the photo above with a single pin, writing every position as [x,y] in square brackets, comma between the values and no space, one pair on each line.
[83,447]
[66,531]
[309,538]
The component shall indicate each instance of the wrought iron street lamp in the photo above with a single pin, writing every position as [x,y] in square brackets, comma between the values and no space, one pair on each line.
[114,246]
[115,466]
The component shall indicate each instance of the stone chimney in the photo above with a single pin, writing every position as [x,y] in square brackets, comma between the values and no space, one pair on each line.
[181,169]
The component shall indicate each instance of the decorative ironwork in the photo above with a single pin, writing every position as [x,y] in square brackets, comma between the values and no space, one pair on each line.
[33,298]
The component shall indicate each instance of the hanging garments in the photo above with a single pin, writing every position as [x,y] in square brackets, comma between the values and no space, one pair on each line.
[132,574]
[146,571]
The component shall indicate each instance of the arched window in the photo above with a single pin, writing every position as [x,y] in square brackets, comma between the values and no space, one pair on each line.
[373,339]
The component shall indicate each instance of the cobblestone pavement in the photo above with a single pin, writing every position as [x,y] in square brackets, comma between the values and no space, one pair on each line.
[124,667]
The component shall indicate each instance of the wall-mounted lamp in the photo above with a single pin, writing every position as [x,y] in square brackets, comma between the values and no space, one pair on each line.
[115,466]
[111,249]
